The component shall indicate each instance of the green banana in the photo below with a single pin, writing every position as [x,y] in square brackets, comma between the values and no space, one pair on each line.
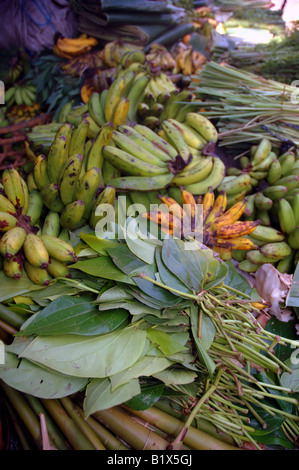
[135,95]
[177,140]
[72,215]
[264,164]
[174,104]
[109,172]
[129,164]
[192,137]
[142,183]
[247,266]
[263,216]
[267,234]
[51,225]
[7,221]
[95,154]
[58,269]
[256,257]
[203,126]
[95,109]
[275,192]
[86,189]
[290,182]
[235,184]
[157,141]
[286,216]
[59,152]
[59,249]
[295,207]
[274,172]
[278,250]
[78,139]
[293,238]
[51,197]
[129,145]
[144,142]
[286,161]
[285,265]
[64,112]
[262,151]
[13,187]
[249,211]
[12,241]
[65,235]
[198,170]
[35,206]
[262,202]
[107,196]
[132,56]
[37,275]
[69,178]
[214,179]
[35,251]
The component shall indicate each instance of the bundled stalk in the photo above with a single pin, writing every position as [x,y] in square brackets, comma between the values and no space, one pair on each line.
[248,107]
[233,5]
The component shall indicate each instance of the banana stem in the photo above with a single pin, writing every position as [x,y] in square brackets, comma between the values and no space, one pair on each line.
[69,428]
[10,317]
[7,328]
[139,437]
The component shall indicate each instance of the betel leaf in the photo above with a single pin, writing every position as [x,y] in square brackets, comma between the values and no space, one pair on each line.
[176,376]
[74,315]
[102,267]
[204,341]
[166,343]
[98,244]
[81,356]
[28,377]
[125,260]
[99,395]
[148,396]
[167,277]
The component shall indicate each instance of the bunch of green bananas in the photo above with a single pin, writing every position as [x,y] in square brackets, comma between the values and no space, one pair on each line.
[20,94]
[23,246]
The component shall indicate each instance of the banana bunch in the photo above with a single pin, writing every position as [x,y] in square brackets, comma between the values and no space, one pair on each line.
[20,94]
[68,48]
[221,228]
[160,58]
[188,61]
[21,245]
[76,66]
[113,52]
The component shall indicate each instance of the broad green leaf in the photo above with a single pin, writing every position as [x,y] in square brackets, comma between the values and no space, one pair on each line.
[167,344]
[204,342]
[125,260]
[27,377]
[176,376]
[99,395]
[235,279]
[141,249]
[114,294]
[10,288]
[144,367]
[74,315]
[98,244]
[81,356]
[102,267]
[167,277]
[148,396]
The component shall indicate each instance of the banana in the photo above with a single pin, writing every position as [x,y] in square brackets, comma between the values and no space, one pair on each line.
[95,109]
[107,196]
[131,57]
[116,91]
[166,222]
[198,170]
[261,152]
[293,239]
[177,140]
[78,139]
[129,145]
[142,183]
[35,251]
[217,211]
[35,206]
[130,165]
[237,229]
[86,189]
[275,192]
[274,172]
[208,201]
[193,138]
[295,207]
[109,172]
[238,243]
[12,241]
[175,208]
[51,225]
[13,267]
[234,198]
[286,161]
[249,211]
[247,266]
[59,249]
[6,205]
[285,265]
[262,202]
[203,126]
[64,112]
[135,96]
[40,173]
[267,234]
[69,178]
[51,197]
[234,184]
[174,104]
[158,141]
[64,235]
[57,269]
[30,182]
[57,156]
[14,187]
[144,142]
[264,164]
[95,155]
[278,250]
[7,221]
[37,275]
[72,216]
[120,114]
[286,216]
[256,257]
[264,217]
[230,216]
[214,179]
[290,182]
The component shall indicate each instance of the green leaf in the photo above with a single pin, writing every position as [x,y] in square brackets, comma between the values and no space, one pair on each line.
[148,396]
[102,267]
[143,250]
[10,288]
[80,356]
[166,343]
[98,244]
[74,315]
[204,342]
[292,299]
[176,376]
[236,280]
[28,377]
[99,395]
[167,277]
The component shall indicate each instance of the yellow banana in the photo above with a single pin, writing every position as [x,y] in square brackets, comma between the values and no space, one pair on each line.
[13,187]
[115,92]
[35,251]
[69,178]
[78,138]
[107,196]
[40,172]
[58,269]
[37,275]
[120,114]
[208,202]
[198,170]
[237,229]
[12,241]
[230,216]
[59,249]
[158,141]
[166,221]
[177,140]
[13,267]
[214,179]
[72,215]
[202,125]
[7,221]
[6,205]
[192,137]
[238,243]
[218,208]
[95,154]
[59,152]
[86,189]
[51,197]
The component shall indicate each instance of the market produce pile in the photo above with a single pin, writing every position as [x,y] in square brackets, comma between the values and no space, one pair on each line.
[155,203]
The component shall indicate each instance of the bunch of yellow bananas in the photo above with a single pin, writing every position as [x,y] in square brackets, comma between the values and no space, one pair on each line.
[22,245]
[189,61]
[68,48]
[160,57]
[220,228]
[113,52]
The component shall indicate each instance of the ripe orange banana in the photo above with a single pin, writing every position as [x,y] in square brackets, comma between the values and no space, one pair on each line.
[167,222]
[218,208]
[238,243]
[176,209]
[230,216]
[190,207]
[208,203]
[238,229]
